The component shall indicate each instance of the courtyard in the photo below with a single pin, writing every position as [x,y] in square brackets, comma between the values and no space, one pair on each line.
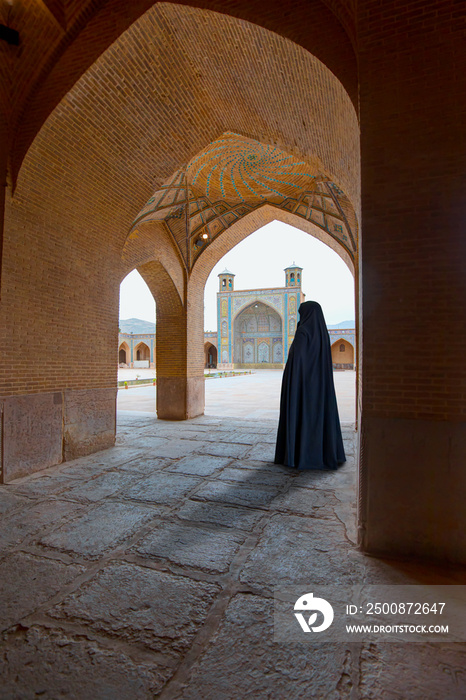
[250,396]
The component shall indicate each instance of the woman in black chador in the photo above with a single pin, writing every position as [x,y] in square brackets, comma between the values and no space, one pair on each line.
[309,433]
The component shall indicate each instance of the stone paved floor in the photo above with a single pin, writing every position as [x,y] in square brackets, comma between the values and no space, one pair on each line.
[147,571]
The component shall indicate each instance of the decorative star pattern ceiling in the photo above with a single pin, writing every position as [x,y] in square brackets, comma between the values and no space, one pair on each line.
[235,175]
[239,169]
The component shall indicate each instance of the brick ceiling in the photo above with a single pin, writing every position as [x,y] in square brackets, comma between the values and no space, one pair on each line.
[61,39]
[207,109]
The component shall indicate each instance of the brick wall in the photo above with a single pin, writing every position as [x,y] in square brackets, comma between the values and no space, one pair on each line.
[413,250]
[412,104]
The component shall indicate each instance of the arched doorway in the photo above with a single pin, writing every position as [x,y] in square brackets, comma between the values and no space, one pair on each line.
[342,355]
[210,356]
[142,355]
[124,354]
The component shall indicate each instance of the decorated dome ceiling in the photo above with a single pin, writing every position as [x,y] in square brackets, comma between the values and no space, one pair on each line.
[240,169]
[233,176]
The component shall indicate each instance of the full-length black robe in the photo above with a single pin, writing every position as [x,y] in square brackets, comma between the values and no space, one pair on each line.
[309,433]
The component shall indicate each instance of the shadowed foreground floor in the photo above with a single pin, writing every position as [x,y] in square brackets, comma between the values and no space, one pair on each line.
[148,571]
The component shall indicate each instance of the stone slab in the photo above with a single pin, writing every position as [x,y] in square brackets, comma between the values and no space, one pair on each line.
[40,579]
[47,484]
[196,546]
[8,500]
[243,661]
[174,449]
[89,421]
[35,518]
[268,468]
[299,550]
[50,663]
[118,456]
[251,477]
[228,516]
[162,487]
[223,449]
[236,494]
[100,528]
[146,466]
[200,465]
[262,451]
[102,486]
[142,605]
[316,503]
[32,434]
[332,479]
[433,672]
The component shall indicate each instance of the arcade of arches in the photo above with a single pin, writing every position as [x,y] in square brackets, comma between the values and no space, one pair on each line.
[157,136]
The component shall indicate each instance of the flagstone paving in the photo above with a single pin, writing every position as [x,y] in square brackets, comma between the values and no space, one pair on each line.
[148,570]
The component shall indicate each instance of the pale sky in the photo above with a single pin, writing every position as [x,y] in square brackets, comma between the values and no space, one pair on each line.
[258,262]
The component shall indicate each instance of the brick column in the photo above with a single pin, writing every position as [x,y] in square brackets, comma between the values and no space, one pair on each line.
[413,91]
[180,345]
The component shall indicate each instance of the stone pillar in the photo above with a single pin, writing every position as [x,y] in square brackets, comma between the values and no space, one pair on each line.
[413,438]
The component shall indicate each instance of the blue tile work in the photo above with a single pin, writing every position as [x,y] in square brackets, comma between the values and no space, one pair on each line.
[230,330]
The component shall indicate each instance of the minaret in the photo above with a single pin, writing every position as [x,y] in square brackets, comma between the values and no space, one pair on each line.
[293,275]
[226,281]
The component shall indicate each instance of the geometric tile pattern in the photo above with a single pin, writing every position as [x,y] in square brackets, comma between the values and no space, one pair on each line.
[233,176]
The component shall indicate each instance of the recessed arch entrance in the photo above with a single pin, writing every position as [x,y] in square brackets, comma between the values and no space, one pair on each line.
[142,354]
[245,227]
[124,354]
[211,354]
[342,354]
[258,337]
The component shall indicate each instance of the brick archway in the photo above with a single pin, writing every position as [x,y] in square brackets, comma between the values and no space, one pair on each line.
[142,353]
[77,39]
[104,151]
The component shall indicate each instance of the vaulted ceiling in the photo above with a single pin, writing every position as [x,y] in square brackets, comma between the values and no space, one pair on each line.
[61,39]
[232,177]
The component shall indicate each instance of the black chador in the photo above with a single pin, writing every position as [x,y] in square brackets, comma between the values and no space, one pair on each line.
[309,433]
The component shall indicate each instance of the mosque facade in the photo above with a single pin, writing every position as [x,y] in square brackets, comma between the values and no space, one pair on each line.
[255,327]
